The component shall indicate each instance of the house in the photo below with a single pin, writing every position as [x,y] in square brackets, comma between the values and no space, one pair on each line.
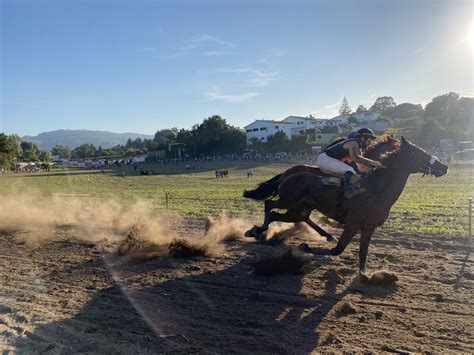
[262,129]
[291,125]
[338,120]
[366,116]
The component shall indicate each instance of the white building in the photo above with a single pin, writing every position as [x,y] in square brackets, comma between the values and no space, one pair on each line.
[366,116]
[301,124]
[338,120]
[262,129]
[291,125]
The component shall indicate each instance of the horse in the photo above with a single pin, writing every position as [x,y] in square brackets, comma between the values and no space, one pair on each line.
[303,192]
[269,189]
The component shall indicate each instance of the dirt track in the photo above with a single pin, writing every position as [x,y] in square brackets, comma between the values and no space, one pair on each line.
[69,296]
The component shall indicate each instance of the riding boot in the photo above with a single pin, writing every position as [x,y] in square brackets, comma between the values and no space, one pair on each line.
[351,185]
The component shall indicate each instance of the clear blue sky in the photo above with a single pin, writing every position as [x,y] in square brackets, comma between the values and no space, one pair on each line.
[139,66]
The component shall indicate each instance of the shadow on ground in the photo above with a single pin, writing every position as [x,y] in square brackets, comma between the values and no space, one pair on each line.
[228,310]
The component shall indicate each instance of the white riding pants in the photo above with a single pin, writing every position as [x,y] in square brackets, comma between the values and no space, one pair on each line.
[333,166]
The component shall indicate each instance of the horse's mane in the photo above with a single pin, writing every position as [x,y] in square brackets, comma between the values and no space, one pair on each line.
[379,146]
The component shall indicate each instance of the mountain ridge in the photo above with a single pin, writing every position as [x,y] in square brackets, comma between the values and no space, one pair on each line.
[76,137]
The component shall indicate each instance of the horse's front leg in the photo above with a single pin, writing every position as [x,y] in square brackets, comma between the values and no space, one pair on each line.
[365,237]
[346,237]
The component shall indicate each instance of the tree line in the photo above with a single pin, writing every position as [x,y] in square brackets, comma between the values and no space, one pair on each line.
[14,149]
[447,116]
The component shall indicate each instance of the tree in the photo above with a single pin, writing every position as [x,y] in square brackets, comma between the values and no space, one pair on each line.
[8,150]
[29,151]
[166,135]
[215,136]
[353,120]
[382,103]
[430,133]
[404,111]
[44,156]
[278,142]
[298,142]
[84,151]
[63,151]
[443,108]
[151,145]
[361,109]
[465,116]
[345,109]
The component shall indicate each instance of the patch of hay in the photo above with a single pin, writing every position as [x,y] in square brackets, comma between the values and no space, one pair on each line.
[380,278]
[290,262]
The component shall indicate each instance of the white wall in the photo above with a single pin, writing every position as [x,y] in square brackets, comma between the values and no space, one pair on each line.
[261,129]
[367,116]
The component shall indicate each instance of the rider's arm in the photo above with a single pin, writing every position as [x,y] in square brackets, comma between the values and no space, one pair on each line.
[353,148]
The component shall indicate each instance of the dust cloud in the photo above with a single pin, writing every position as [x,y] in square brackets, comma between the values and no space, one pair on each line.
[139,228]
[278,233]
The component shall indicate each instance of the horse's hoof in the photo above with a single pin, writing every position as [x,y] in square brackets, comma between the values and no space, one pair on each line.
[304,247]
[252,233]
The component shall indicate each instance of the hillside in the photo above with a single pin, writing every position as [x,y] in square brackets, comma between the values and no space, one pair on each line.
[74,138]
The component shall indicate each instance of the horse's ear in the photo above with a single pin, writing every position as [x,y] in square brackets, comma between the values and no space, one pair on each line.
[404,141]
[391,136]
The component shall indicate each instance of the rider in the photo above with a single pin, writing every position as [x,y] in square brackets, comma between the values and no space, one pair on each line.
[334,158]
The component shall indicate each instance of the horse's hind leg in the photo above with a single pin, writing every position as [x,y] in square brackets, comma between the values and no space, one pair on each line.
[292,215]
[321,231]
[269,205]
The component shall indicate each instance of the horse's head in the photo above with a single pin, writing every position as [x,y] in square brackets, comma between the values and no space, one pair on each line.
[415,160]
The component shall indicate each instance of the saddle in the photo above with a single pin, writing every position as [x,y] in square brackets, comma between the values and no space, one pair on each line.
[344,193]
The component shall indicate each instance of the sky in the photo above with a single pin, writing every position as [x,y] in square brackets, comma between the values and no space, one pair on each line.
[139,66]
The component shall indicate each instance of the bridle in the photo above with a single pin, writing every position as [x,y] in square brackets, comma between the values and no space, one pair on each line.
[429,165]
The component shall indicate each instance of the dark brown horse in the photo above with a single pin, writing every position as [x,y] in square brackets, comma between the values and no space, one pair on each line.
[301,193]
[269,189]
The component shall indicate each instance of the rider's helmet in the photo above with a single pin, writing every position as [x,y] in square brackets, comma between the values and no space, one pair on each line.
[366,132]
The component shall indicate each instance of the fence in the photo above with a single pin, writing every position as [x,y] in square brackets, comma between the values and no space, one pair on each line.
[422,218]
[470,218]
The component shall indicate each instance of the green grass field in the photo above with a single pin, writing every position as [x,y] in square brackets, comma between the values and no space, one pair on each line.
[427,205]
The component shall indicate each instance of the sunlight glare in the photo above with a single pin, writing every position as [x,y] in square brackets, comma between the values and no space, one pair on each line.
[471,37]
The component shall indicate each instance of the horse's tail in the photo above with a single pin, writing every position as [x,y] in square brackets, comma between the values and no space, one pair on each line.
[264,190]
